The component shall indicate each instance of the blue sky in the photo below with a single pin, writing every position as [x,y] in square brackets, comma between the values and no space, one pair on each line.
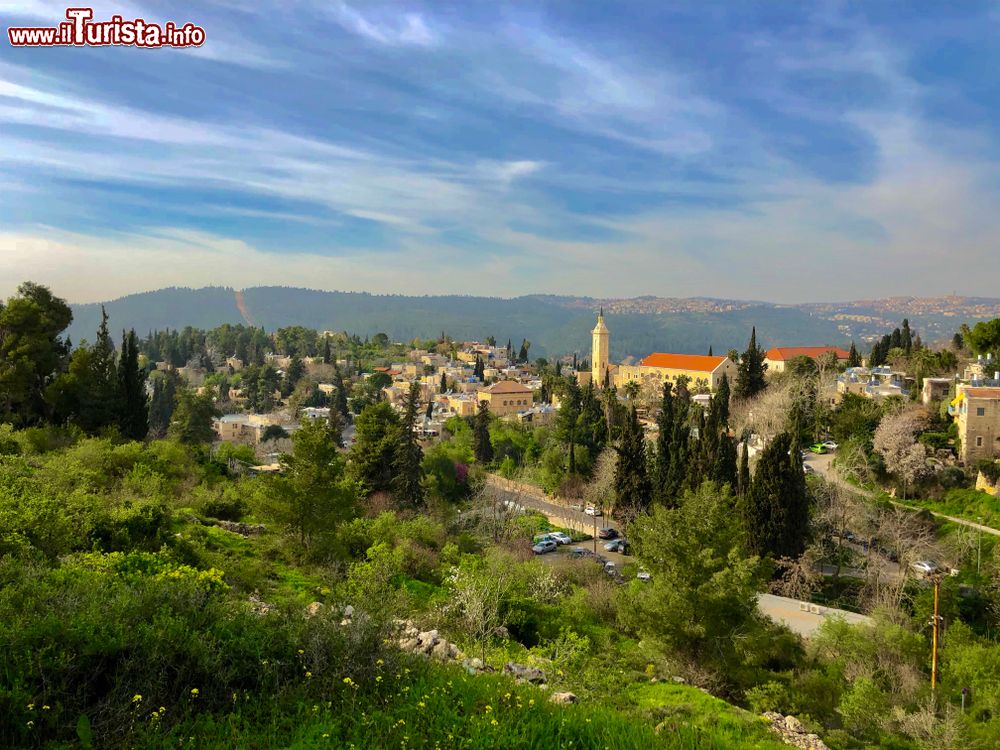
[774,150]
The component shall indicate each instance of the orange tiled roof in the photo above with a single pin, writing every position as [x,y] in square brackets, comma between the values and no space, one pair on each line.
[697,362]
[791,352]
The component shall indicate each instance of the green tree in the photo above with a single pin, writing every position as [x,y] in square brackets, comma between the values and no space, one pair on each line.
[191,422]
[133,407]
[443,388]
[701,601]
[750,378]
[374,450]
[482,445]
[664,446]
[567,419]
[340,395]
[335,423]
[32,352]
[162,401]
[296,369]
[407,484]
[853,358]
[314,494]
[776,510]
[743,476]
[632,487]
[721,400]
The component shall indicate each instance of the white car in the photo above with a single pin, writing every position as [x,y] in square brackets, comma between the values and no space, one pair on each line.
[644,576]
[511,505]
[925,566]
[544,546]
[807,469]
[560,538]
[610,568]
[590,510]
[830,445]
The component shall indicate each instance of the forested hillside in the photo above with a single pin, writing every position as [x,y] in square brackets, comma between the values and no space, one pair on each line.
[553,328]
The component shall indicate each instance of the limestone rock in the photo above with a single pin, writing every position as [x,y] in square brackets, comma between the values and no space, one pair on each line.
[525,674]
[564,698]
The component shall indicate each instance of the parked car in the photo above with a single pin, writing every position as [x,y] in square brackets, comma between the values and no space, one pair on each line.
[610,568]
[829,445]
[642,575]
[807,469]
[577,507]
[926,567]
[560,538]
[578,552]
[543,538]
[544,547]
[616,545]
[608,533]
[590,510]
[817,448]
[511,505]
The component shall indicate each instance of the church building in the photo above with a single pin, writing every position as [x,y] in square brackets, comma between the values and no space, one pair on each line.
[701,370]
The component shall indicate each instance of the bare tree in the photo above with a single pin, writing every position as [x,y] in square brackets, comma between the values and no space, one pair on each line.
[600,491]
[479,592]
[495,511]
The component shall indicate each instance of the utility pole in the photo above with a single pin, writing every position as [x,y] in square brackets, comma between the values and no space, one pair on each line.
[934,643]
[595,530]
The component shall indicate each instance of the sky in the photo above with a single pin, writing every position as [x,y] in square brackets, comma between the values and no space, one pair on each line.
[781,151]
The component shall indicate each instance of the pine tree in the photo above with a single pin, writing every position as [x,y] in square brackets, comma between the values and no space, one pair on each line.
[592,429]
[443,388]
[133,416]
[162,402]
[750,376]
[632,488]
[853,358]
[327,354]
[523,354]
[482,446]
[607,377]
[407,484]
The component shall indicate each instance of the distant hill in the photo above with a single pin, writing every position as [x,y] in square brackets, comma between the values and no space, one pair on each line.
[554,324]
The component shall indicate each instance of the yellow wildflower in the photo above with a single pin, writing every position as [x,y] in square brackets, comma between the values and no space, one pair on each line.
[135,699]
[194,692]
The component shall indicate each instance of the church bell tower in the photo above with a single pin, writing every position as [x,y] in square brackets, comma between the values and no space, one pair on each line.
[599,351]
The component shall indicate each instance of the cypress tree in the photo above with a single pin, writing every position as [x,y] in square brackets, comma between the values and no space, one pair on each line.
[776,511]
[133,418]
[327,354]
[632,488]
[443,388]
[743,479]
[664,447]
[750,375]
[340,395]
[721,400]
[336,424]
[724,470]
[853,358]
[482,446]
[906,337]
[407,483]
[709,350]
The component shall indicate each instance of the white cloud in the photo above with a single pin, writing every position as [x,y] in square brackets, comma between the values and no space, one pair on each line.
[389,27]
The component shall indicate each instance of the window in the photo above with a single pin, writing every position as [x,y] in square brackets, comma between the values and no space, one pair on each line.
[981,411]
[979,441]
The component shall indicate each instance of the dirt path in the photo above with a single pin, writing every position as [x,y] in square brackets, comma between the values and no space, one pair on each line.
[241,305]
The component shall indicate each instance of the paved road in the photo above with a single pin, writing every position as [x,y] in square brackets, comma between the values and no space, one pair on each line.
[802,617]
[823,465]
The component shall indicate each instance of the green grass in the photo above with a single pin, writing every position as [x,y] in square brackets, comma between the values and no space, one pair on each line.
[437,707]
[970,505]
